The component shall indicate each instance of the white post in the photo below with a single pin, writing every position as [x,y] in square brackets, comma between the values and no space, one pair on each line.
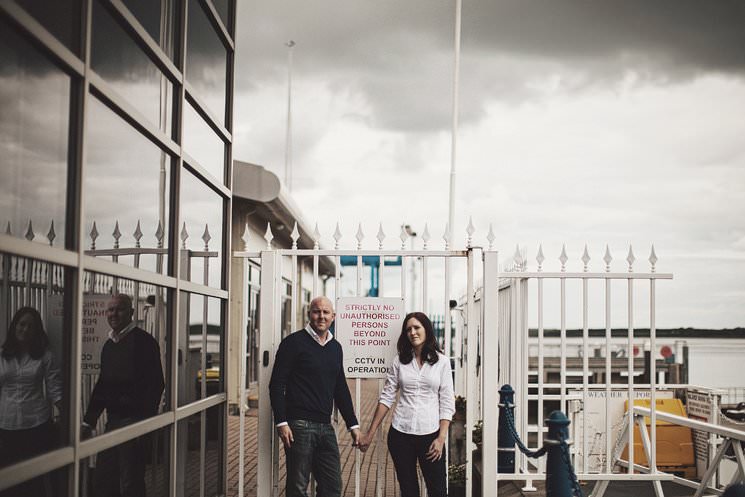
[471,380]
[490,310]
[380,476]
[630,367]
[653,374]
[269,334]
[358,387]
[242,398]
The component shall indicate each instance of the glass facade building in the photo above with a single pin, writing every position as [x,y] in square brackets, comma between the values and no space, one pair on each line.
[115,179]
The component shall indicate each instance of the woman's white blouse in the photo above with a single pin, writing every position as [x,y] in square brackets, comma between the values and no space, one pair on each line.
[426,395]
[23,403]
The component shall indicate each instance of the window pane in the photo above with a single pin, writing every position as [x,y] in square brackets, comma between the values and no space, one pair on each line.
[288,325]
[214,360]
[213,452]
[206,61]
[60,17]
[200,342]
[123,376]
[201,214]
[56,481]
[35,338]
[117,59]
[157,18]
[222,8]
[191,348]
[201,142]
[252,335]
[117,153]
[137,467]
[34,98]
[188,458]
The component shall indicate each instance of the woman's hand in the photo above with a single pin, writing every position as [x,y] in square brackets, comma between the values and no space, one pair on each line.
[365,441]
[436,449]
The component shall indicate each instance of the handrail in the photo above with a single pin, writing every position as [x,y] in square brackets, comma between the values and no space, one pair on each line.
[722,431]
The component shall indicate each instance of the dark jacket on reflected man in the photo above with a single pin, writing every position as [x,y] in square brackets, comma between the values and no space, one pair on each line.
[131,382]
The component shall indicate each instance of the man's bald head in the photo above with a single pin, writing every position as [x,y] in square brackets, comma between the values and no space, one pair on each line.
[322,300]
[321,314]
[119,312]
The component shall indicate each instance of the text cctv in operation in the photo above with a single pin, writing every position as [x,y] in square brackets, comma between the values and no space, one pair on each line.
[366,365]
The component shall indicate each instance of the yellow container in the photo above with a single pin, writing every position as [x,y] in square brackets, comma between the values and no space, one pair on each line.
[674,443]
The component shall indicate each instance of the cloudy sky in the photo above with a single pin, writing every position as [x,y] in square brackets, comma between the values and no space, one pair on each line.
[581,122]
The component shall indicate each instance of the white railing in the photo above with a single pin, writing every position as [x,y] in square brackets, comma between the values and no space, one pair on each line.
[414,278]
[728,439]
[733,395]
[515,290]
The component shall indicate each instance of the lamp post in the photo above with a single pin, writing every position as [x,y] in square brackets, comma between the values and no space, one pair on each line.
[288,129]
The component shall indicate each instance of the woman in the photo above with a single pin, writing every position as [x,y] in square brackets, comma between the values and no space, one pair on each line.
[29,385]
[426,405]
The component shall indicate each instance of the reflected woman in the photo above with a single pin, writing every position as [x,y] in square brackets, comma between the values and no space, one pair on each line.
[425,407]
[29,384]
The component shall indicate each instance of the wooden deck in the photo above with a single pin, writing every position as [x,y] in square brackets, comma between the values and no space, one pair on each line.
[368,470]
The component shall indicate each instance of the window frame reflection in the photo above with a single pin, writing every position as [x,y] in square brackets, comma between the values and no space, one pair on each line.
[203,154]
[193,191]
[151,313]
[71,59]
[143,229]
[47,17]
[201,365]
[201,21]
[34,299]
[167,38]
[154,448]
[20,166]
[111,40]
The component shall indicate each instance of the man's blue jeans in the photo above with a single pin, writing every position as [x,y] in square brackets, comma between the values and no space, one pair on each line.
[314,450]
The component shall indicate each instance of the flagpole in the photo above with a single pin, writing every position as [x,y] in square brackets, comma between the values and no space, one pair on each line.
[288,129]
[454,137]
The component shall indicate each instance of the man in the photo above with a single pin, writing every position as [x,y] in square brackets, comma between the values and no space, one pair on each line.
[308,376]
[129,387]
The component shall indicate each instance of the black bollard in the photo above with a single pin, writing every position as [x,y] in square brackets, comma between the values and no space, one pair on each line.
[560,479]
[734,490]
[506,445]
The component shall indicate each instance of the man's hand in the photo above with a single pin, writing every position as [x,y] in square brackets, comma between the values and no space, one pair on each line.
[365,441]
[285,434]
[85,432]
[356,436]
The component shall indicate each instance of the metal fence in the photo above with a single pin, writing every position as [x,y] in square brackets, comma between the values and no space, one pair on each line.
[278,264]
[519,293]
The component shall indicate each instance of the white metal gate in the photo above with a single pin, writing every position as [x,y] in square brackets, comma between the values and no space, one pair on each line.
[509,296]
[282,267]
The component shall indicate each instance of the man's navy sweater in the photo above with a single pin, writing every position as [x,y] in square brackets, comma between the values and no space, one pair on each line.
[307,378]
[131,381]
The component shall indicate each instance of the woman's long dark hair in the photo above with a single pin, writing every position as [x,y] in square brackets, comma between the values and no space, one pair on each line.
[430,347]
[38,342]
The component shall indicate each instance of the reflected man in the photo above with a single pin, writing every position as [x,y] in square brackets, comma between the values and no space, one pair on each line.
[129,387]
[308,377]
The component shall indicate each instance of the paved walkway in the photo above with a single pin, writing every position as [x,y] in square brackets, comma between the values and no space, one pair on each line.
[368,469]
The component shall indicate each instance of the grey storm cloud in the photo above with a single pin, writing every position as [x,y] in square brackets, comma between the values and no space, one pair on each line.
[399,54]
[688,34]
